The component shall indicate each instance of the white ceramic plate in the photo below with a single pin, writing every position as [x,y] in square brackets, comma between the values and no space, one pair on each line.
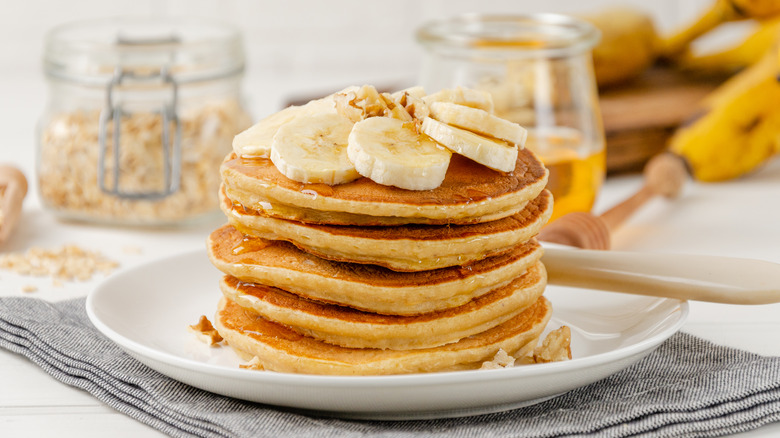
[146,311]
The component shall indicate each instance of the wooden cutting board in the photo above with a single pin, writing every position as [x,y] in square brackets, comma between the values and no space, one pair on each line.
[639,117]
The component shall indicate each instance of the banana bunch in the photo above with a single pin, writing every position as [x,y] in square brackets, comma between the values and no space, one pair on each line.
[404,139]
[629,41]
[721,11]
[735,58]
[627,46]
[740,127]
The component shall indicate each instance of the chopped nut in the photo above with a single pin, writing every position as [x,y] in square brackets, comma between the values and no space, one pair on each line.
[366,102]
[253,364]
[413,106]
[417,108]
[394,109]
[556,346]
[29,288]
[345,106]
[528,359]
[205,331]
[500,360]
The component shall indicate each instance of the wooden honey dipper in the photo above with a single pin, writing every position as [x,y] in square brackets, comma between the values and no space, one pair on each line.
[13,189]
[664,175]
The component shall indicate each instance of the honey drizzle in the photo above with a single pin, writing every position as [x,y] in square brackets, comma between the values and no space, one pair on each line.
[250,244]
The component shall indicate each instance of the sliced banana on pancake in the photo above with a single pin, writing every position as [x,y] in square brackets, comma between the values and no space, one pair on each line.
[495,154]
[256,141]
[478,121]
[313,149]
[391,152]
[462,96]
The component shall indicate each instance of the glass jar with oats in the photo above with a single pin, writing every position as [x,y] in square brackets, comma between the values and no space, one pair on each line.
[141,112]
[539,71]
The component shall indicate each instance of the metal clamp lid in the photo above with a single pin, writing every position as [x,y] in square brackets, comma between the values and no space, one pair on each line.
[112,115]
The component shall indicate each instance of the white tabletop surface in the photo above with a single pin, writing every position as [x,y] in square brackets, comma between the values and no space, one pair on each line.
[739,218]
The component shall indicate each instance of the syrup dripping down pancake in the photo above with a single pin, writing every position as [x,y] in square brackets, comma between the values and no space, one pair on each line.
[406,248]
[365,287]
[278,348]
[352,328]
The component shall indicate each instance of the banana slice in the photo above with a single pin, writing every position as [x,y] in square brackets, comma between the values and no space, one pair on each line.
[463,96]
[313,149]
[392,153]
[256,140]
[495,154]
[478,121]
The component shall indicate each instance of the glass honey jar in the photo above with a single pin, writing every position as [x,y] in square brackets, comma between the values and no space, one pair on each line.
[140,114]
[539,71]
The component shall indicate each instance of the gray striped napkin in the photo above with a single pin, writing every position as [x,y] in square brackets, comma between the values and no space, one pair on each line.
[687,387]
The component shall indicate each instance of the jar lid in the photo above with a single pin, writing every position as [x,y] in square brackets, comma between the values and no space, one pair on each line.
[529,35]
[188,49]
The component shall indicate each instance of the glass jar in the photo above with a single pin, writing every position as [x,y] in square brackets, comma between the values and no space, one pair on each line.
[539,71]
[140,114]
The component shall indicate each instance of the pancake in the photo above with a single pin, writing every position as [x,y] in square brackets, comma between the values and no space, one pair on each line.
[365,287]
[278,348]
[411,247]
[470,193]
[356,329]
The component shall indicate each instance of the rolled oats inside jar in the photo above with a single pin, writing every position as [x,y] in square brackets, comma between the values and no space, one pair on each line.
[140,115]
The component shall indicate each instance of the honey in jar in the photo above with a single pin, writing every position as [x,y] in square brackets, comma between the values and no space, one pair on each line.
[539,71]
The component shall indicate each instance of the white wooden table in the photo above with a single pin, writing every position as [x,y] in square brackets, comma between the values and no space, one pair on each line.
[739,218]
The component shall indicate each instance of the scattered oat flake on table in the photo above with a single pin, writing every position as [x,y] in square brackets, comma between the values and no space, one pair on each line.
[69,262]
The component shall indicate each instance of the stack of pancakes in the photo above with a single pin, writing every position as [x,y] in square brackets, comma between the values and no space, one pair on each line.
[362,278]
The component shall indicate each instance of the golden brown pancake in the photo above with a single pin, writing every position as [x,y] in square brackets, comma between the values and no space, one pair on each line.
[279,348]
[366,287]
[365,279]
[353,328]
[470,193]
[411,247]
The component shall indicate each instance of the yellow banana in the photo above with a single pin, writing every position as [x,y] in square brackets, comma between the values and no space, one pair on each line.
[744,80]
[720,12]
[735,58]
[627,46]
[758,9]
[740,129]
